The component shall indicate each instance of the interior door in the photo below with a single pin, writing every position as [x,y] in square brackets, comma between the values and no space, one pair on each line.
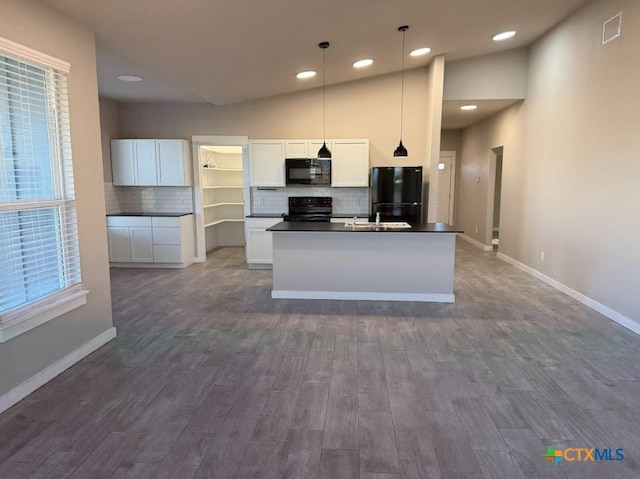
[446,178]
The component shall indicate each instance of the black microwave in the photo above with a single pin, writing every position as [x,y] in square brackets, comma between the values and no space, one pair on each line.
[308,171]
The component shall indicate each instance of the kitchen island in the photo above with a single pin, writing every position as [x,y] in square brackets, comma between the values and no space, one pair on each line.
[365,262]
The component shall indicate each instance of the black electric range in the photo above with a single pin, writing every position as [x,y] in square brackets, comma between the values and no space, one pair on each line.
[309,208]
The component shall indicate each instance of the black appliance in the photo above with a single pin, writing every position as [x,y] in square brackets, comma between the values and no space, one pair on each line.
[308,171]
[396,193]
[309,208]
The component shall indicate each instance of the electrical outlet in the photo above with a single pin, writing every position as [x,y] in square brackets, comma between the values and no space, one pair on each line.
[542,256]
[476,229]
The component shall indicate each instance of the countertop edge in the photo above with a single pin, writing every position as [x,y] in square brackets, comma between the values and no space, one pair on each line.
[301,227]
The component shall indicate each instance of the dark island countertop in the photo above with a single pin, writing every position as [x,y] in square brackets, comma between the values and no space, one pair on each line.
[322,227]
[279,215]
[139,213]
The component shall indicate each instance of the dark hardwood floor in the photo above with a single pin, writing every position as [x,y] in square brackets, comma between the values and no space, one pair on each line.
[209,377]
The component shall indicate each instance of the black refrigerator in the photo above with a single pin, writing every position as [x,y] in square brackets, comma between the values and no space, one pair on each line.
[396,193]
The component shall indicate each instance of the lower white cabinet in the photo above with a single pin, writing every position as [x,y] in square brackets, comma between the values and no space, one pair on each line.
[259,243]
[141,245]
[151,240]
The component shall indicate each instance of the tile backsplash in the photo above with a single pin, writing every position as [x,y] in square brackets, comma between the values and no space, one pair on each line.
[351,201]
[157,199]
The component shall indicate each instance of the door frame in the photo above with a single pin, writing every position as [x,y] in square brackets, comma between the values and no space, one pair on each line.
[452,185]
[491,204]
[213,140]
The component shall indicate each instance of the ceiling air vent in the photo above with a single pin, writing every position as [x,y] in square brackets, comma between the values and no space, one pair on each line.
[611,28]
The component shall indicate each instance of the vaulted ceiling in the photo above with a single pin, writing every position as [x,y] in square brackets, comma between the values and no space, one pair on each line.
[236,50]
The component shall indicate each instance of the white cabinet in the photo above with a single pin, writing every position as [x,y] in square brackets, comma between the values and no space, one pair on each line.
[138,240]
[173,163]
[129,239]
[123,163]
[173,239]
[259,247]
[141,245]
[350,163]
[145,162]
[151,163]
[266,163]
[315,145]
[304,148]
[349,160]
[119,249]
[296,149]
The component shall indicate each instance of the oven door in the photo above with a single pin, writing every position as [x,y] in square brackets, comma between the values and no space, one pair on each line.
[308,171]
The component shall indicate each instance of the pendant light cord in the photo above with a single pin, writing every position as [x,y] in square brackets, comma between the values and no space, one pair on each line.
[402,85]
[324,95]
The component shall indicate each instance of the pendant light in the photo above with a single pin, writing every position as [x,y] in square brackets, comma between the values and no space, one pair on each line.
[401,151]
[324,152]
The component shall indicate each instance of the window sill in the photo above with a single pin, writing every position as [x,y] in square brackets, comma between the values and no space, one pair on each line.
[15,323]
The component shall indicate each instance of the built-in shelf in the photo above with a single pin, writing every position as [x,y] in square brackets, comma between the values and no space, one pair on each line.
[213,205]
[228,220]
[222,199]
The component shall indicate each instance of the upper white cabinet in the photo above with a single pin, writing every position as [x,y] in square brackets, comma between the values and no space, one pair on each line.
[349,163]
[296,149]
[266,163]
[304,148]
[123,163]
[174,163]
[315,145]
[151,163]
[145,162]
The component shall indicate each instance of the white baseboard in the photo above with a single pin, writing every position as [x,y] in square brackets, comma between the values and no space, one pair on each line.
[364,296]
[586,300]
[475,243]
[47,374]
[260,265]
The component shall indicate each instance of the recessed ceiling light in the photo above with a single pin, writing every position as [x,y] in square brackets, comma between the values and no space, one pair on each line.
[468,107]
[504,36]
[306,74]
[363,63]
[129,78]
[420,51]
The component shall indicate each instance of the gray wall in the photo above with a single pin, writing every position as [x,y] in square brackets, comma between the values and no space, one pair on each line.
[36,26]
[451,140]
[570,168]
[109,130]
[499,76]
[367,108]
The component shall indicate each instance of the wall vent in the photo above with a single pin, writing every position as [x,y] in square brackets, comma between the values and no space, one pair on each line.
[611,28]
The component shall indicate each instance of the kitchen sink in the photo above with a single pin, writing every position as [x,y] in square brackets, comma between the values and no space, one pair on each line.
[372,225]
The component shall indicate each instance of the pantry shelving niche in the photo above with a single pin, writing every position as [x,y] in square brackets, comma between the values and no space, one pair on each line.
[221,180]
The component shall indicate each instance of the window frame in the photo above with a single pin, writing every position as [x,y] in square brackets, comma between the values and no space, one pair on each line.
[31,314]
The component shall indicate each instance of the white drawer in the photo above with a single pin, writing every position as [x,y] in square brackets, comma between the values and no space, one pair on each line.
[166,254]
[166,221]
[166,235]
[128,221]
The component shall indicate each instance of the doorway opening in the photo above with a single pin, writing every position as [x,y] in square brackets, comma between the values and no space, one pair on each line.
[219,192]
[495,196]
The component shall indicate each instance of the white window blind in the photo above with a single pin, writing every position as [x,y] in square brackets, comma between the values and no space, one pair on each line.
[39,253]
